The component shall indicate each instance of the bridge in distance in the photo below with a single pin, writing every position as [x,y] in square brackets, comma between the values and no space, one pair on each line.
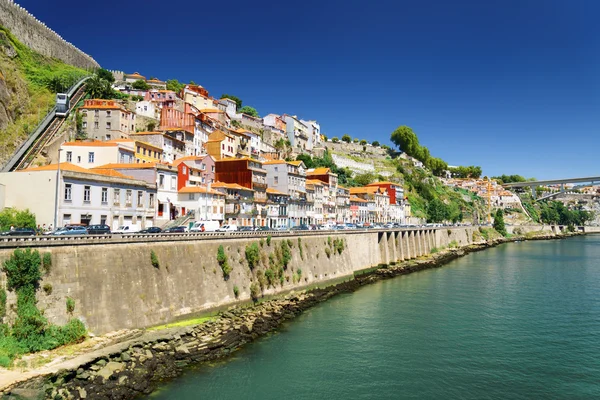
[561,182]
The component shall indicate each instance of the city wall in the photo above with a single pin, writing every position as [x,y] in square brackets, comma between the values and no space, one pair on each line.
[37,36]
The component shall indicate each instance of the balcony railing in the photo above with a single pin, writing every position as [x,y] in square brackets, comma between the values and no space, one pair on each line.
[257,185]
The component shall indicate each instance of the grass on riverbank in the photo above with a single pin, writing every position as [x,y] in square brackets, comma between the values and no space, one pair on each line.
[186,322]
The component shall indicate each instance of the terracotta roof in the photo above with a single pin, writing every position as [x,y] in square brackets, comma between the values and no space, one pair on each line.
[188,158]
[104,107]
[75,168]
[148,145]
[318,171]
[364,189]
[230,186]
[357,200]
[154,81]
[275,191]
[297,163]
[240,159]
[314,182]
[211,110]
[274,162]
[147,133]
[95,143]
[149,165]
[135,75]
[199,189]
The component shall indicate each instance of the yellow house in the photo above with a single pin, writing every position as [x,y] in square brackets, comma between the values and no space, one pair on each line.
[147,153]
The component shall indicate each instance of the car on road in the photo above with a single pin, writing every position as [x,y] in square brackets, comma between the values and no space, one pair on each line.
[101,229]
[205,226]
[152,229]
[71,230]
[175,229]
[124,229]
[302,227]
[247,229]
[228,228]
[263,229]
[20,232]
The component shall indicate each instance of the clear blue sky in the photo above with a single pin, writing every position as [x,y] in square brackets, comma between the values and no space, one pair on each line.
[510,85]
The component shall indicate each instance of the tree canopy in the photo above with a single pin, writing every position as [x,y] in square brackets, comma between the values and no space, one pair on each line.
[375,143]
[106,75]
[99,88]
[555,212]
[248,110]
[510,178]
[499,223]
[140,84]
[346,138]
[175,85]
[237,100]
[466,172]
[17,218]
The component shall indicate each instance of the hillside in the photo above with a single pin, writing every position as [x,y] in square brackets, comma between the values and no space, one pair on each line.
[28,83]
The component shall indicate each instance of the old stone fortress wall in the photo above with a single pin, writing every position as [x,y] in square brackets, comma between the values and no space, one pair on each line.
[35,34]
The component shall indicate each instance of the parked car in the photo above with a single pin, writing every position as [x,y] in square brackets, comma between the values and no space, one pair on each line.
[281,228]
[101,229]
[126,229]
[21,232]
[205,226]
[247,229]
[228,228]
[152,229]
[302,227]
[71,230]
[175,229]
[263,229]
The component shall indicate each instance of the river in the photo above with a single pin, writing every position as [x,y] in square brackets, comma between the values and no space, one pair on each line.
[518,321]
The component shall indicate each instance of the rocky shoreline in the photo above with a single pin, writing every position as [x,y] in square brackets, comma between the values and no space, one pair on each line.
[137,366]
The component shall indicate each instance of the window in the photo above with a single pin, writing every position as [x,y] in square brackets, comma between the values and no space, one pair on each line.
[108,125]
[202,166]
[68,192]
[84,124]
[144,151]
[173,182]
[96,113]
[103,219]
[69,156]
[140,198]
[151,200]
[213,168]
[66,219]
[128,196]
[191,196]
[104,195]
[116,197]
[161,181]
[184,170]
[108,113]
[78,159]
[108,137]
[91,157]
[276,181]
[96,125]
[86,194]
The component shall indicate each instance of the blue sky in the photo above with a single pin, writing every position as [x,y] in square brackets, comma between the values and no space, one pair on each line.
[512,86]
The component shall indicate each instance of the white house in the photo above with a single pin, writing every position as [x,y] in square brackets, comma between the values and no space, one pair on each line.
[85,197]
[93,153]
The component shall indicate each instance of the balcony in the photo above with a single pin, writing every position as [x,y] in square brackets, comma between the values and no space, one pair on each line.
[259,186]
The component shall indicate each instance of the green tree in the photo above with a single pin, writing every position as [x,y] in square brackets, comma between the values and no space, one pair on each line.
[175,85]
[248,110]
[25,219]
[106,75]
[436,211]
[335,139]
[140,85]
[237,100]
[406,140]
[499,223]
[346,138]
[363,142]
[437,166]
[375,143]
[98,88]
[364,179]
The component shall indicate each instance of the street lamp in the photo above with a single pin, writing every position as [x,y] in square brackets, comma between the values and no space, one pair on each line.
[57,188]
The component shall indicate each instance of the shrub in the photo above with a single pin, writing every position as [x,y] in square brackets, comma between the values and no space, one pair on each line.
[254,292]
[286,253]
[22,269]
[338,245]
[47,289]
[2,303]
[329,242]
[299,272]
[328,252]
[154,259]
[236,292]
[301,250]
[270,275]
[47,262]
[252,255]
[453,244]
[262,242]
[222,260]
[269,240]
[260,277]
[70,305]
[434,250]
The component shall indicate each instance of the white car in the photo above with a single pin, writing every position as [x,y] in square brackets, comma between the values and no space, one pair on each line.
[126,229]
[228,228]
[205,226]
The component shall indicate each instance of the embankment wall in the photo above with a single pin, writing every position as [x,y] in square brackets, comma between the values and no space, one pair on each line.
[37,36]
[115,285]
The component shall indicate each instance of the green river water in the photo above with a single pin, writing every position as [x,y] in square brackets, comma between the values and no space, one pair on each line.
[519,321]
